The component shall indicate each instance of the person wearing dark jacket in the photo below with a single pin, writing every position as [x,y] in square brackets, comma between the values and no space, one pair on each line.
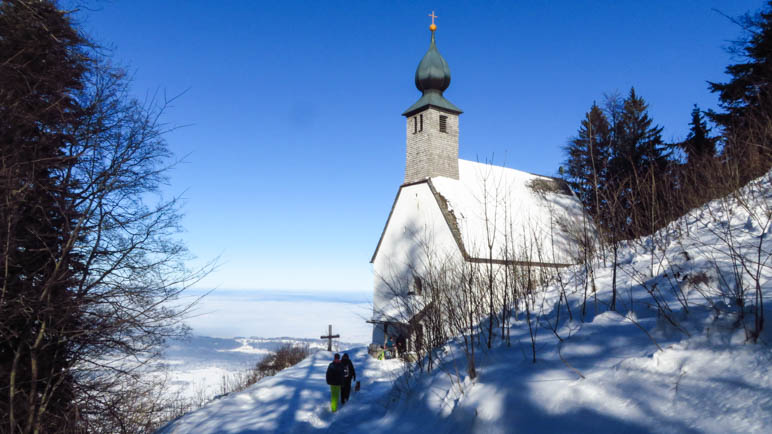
[348,375]
[335,380]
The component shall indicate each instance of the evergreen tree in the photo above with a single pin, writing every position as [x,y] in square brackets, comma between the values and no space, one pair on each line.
[698,144]
[638,161]
[747,97]
[588,155]
[41,67]
[89,267]
[638,144]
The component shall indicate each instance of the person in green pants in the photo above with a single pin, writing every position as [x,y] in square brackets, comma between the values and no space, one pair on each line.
[335,380]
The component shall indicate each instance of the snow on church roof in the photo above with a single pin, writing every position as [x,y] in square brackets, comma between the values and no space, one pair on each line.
[524,217]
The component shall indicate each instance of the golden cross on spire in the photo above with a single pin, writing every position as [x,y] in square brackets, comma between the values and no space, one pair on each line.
[433,27]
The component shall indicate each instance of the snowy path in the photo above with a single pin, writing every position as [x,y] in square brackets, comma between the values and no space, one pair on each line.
[693,386]
[296,400]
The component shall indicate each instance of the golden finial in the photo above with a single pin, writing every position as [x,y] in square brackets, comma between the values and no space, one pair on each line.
[433,27]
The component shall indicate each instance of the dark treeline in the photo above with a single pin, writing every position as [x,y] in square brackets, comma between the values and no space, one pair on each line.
[634,183]
[89,258]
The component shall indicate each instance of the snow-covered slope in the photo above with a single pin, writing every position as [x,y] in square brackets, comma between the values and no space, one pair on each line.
[295,400]
[673,357]
[194,369]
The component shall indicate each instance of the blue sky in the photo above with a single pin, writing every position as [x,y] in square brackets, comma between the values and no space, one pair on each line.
[290,118]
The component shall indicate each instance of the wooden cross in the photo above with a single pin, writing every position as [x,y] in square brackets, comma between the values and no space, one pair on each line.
[433,17]
[330,337]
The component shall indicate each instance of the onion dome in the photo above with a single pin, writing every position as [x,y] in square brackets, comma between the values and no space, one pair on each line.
[432,77]
[433,71]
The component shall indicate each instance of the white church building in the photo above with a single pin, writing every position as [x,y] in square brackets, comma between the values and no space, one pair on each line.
[471,211]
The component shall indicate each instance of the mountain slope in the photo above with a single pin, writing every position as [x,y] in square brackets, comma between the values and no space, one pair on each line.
[675,356]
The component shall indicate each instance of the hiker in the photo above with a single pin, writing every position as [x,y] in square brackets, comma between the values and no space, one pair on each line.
[401,345]
[348,375]
[389,348]
[335,380]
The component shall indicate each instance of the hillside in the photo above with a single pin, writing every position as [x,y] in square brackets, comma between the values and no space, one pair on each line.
[194,370]
[675,356]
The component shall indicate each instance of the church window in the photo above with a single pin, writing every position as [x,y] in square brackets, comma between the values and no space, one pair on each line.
[421,128]
[443,124]
[415,124]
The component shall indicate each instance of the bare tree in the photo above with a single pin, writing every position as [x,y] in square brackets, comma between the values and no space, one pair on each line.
[90,255]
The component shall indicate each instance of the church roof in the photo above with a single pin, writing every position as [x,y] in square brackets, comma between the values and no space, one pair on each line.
[523,217]
[519,215]
[432,77]
[431,99]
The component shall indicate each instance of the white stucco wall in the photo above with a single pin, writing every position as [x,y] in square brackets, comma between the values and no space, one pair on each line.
[415,231]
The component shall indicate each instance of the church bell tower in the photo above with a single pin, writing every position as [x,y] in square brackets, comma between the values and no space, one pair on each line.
[432,122]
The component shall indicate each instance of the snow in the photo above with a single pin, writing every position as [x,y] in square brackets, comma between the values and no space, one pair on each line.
[295,400]
[488,201]
[509,210]
[193,370]
[628,370]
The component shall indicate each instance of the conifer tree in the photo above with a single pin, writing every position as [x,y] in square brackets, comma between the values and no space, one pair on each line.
[89,261]
[698,144]
[747,97]
[638,144]
[588,155]
[638,161]
[41,67]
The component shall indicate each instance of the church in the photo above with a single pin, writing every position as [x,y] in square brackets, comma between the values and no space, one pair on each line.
[473,212]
